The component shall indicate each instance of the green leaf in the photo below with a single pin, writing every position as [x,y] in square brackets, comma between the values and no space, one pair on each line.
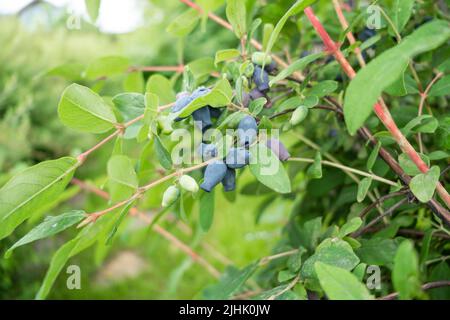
[267,31]
[296,66]
[409,166]
[236,15]
[398,88]
[377,251]
[323,88]
[58,261]
[207,210]
[230,282]
[184,24]
[161,86]
[256,106]
[162,154]
[405,276]
[268,169]
[424,123]
[202,67]
[69,71]
[93,8]
[373,156]
[340,284]
[285,275]
[315,170]
[107,67]
[297,7]
[363,189]
[401,13]
[82,109]
[386,69]
[227,54]
[350,226]
[332,251]
[130,106]
[134,82]
[122,179]
[49,227]
[424,184]
[441,88]
[215,98]
[310,233]
[31,189]
[85,238]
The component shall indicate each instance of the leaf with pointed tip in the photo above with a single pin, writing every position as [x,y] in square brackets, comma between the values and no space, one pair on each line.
[424,184]
[82,109]
[386,69]
[31,189]
[49,227]
[268,169]
[340,284]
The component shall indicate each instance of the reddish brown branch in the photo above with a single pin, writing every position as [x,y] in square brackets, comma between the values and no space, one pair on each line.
[380,108]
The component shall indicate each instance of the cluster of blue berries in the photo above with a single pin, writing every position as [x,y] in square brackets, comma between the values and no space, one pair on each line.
[224,170]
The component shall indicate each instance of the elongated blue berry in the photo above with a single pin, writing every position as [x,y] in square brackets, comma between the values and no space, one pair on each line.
[237,158]
[229,181]
[278,148]
[215,112]
[202,118]
[256,94]
[214,174]
[271,67]
[183,99]
[247,130]
[200,91]
[261,79]
[207,151]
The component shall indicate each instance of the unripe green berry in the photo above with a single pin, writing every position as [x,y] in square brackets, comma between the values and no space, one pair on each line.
[298,115]
[188,183]
[170,196]
[261,58]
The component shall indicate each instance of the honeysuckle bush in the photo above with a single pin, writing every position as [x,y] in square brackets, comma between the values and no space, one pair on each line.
[363,192]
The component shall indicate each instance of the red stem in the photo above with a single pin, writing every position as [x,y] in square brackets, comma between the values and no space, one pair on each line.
[380,108]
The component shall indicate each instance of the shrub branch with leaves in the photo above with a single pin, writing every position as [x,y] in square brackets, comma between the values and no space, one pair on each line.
[338,228]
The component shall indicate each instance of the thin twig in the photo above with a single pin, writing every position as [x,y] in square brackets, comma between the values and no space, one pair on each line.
[425,287]
[388,212]
[349,169]
[423,98]
[380,200]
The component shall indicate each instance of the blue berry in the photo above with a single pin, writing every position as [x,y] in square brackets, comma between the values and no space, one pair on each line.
[202,118]
[247,130]
[229,181]
[215,112]
[207,151]
[261,79]
[366,34]
[183,99]
[214,174]
[200,91]
[271,67]
[256,94]
[237,158]
[278,148]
